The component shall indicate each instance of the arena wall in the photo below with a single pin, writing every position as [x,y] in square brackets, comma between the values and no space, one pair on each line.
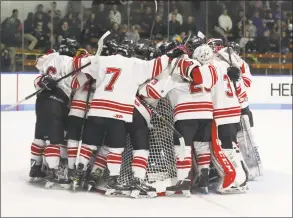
[267,92]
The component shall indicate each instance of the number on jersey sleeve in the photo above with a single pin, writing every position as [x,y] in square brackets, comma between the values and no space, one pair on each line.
[116,72]
[229,91]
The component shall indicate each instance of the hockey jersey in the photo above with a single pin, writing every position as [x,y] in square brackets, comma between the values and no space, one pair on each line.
[117,81]
[188,100]
[57,66]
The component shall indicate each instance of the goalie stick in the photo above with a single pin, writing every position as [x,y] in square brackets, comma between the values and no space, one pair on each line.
[100,43]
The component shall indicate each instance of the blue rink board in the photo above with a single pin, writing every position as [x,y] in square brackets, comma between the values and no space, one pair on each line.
[29,107]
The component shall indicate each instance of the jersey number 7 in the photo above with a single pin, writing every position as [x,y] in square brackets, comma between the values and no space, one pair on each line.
[116,73]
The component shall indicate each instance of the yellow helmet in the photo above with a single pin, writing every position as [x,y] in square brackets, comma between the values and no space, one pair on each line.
[81,51]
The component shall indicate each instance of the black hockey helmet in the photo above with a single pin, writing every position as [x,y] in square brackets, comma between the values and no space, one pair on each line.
[193,43]
[109,48]
[141,49]
[167,46]
[235,46]
[125,50]
[153,52]
[68,47]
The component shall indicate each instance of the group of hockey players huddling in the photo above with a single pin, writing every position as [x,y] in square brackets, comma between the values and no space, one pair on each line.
[82,121]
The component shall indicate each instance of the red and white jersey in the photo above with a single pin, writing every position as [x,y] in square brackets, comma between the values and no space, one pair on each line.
[57,66]
[117,81]
[189,101]
[226,107]
[242,94]
[246,74]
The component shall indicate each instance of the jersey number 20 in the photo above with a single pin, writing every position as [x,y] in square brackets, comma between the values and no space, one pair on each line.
[116,73]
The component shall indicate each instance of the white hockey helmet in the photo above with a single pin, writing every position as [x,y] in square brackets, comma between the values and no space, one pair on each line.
[203,54]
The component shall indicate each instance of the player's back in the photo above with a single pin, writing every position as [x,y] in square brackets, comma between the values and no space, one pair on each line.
[57,66]
[225,101]
[118,79]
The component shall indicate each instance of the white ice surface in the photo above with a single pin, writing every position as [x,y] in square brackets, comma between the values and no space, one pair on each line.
[270,195]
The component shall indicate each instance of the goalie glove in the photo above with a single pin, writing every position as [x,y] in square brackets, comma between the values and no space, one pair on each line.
[48,83]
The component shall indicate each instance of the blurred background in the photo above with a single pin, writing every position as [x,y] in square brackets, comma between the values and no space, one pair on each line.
[262,28]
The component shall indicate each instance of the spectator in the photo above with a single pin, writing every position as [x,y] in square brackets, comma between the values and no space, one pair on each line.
[57,22]
[39,17]
[10,37]
[189,26]
[178,16]
[63,33]
[263,42]
[251,29]
[114,15]
[28,31]
[116,33]
[275,38]
[162,13]
[42,36]
[279,14]
[174,26]
[225,21]
[241,18]
[285,43]
[132,34]
[159,27]
[180,37]
[92,30]
[54,8]
[101,14]
[258,23]
[75,26]
[5,61]
[44,18]
[147,20]
[68,18]
[269,20]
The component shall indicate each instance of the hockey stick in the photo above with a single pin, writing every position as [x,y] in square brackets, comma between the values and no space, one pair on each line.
[175,65]
[170,126]
[100,43]
[40,90]
[153,24]
[90,83]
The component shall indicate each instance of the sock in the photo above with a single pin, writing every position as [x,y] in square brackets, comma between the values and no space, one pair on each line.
[72,149]
[203,155]
[37,150]
[183,167]
[52,155]
[86,153]
[140,163]
[114,160]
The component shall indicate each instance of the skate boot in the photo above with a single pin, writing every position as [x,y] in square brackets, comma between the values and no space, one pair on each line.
[203,182]
[141,189]
[80,174]
[182,186]
[62,174]
[36,171]
[51,178]
[115,188]
[93,178]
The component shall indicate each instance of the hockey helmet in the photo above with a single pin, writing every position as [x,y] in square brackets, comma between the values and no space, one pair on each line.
[109,48]
[68,47]
[193,43]
[235,46]
[167,46]
[216,44]
[153,52]
[203,54]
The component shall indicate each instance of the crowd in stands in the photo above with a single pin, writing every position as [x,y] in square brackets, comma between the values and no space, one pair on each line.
[258,26]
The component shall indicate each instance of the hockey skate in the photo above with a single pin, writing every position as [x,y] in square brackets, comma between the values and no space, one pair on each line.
[141,189]
[79,178]
[203,181]
[93,178]
[36,172]
[182,186]
[62,174]
[115,188]
[51,178]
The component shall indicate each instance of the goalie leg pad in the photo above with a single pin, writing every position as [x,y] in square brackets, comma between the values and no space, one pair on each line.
[249,149]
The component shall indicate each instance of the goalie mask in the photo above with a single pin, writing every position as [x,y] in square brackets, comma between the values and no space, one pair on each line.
[203,54]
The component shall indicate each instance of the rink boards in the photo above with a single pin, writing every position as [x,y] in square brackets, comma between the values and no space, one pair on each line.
[266,92]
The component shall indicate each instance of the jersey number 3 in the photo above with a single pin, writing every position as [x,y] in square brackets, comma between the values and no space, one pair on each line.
[116,73]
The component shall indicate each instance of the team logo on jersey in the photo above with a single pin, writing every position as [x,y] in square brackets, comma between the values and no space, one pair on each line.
[119,116]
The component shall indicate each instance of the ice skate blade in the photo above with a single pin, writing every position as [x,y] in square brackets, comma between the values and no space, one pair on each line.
[137,194]
[203,190]
[114,192]
[185,193]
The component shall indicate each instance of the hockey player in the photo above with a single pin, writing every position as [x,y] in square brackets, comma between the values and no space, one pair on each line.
[51,109]
[113,106]
[226,112]
[193,115]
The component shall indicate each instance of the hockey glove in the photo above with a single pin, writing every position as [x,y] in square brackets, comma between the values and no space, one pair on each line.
[234,74]
[48,83]
[178,51]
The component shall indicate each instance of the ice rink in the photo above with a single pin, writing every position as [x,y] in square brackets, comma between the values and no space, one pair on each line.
[270,195]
